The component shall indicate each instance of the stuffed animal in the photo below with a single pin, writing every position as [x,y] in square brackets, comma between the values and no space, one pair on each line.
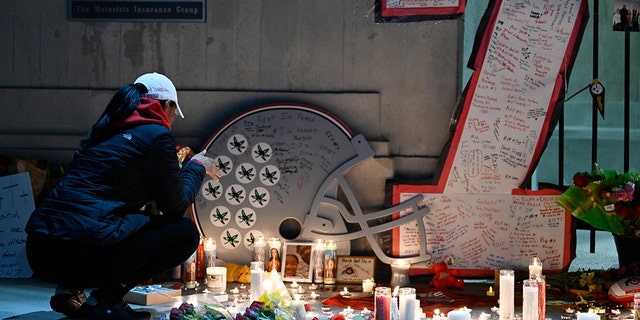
[238,273]
[444,278]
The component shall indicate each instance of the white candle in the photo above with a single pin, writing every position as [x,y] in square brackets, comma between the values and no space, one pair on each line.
[507,287]
[587,316]
[407,302]
[395,312]
[299,311]
[368,285]
[459,315]
[529,300]
[535,267]
[257,280]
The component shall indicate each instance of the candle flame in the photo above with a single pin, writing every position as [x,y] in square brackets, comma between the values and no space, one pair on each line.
[395,291]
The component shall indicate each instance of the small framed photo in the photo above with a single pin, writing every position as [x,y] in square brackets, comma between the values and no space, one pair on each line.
[297,261]
[353,269]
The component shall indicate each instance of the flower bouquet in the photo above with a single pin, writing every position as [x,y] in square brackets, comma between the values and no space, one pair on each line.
[273,304]
[606,200]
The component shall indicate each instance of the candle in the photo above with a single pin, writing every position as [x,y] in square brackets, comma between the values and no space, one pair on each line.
[294,284]
[395,312]
[400,273]
[345,292]
[318,262]
[313,295]
[259,250]
[313,286]
[330,262]
[407,302]
[210,252]
[535,267]
[542,297]
[459,315]
[368,285]
[382,304]
[587,316]
[299,312]
[491,293]
[257,280]
[274,254]
[507,287]
[300,290]
[529,300]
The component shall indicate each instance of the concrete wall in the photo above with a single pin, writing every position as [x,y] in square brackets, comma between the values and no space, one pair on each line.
[394,83]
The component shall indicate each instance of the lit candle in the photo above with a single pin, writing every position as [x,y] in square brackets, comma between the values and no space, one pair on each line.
[259,250]
[300,290]
[344,292]
[313,295]
[299,312]
[382,303]
[491,293]
[587,316]
[407,301]
[294,284]
[318,262]
[400,273]
[535,267]
[368,285]
[395,312]
[507,287]
[459,315]
[210,252]
[313,286]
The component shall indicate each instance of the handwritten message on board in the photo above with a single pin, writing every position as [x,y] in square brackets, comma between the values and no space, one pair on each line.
[16,205]
[516,82]
[491,232]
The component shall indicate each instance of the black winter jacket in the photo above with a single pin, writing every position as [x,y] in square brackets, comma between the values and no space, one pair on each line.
[107,184]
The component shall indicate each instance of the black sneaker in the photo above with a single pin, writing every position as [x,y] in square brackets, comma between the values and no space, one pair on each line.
[68,304]
[118,311]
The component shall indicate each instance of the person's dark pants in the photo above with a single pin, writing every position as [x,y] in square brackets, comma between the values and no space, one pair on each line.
[113,269]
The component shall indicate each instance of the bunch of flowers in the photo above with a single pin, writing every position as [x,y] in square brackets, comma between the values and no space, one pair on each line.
[606,200]
[270,306]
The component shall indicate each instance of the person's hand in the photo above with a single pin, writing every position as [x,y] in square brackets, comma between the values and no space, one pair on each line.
[208,164]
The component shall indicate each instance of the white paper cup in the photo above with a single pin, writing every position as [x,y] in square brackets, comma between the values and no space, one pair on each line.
[217,279]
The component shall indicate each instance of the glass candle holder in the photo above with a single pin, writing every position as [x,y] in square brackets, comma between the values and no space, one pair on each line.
[257,279]
[507,287]
[400,273]
[529,300]
[382,303]
[407,302]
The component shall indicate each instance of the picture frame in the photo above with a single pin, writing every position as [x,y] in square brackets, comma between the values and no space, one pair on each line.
[296,257]
[354,269]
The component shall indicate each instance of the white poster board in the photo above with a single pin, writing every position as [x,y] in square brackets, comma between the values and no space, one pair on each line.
[16,205]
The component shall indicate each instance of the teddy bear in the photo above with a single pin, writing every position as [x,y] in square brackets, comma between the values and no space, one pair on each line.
[444,278]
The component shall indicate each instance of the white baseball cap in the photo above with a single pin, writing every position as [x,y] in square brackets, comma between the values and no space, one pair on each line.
[160,88]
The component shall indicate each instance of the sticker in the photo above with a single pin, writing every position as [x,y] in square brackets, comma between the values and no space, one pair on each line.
[269,175]
[235,194]
[246,218]
[259,197]
[237,144]
[220,216]
[245,173]
[261,152]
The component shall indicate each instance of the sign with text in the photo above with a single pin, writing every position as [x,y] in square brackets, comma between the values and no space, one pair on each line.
[16,205]
[176,11]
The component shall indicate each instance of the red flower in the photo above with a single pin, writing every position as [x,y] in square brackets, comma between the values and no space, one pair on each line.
[580,180]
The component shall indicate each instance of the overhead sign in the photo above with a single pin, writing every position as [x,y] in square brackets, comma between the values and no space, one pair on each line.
[175,11]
